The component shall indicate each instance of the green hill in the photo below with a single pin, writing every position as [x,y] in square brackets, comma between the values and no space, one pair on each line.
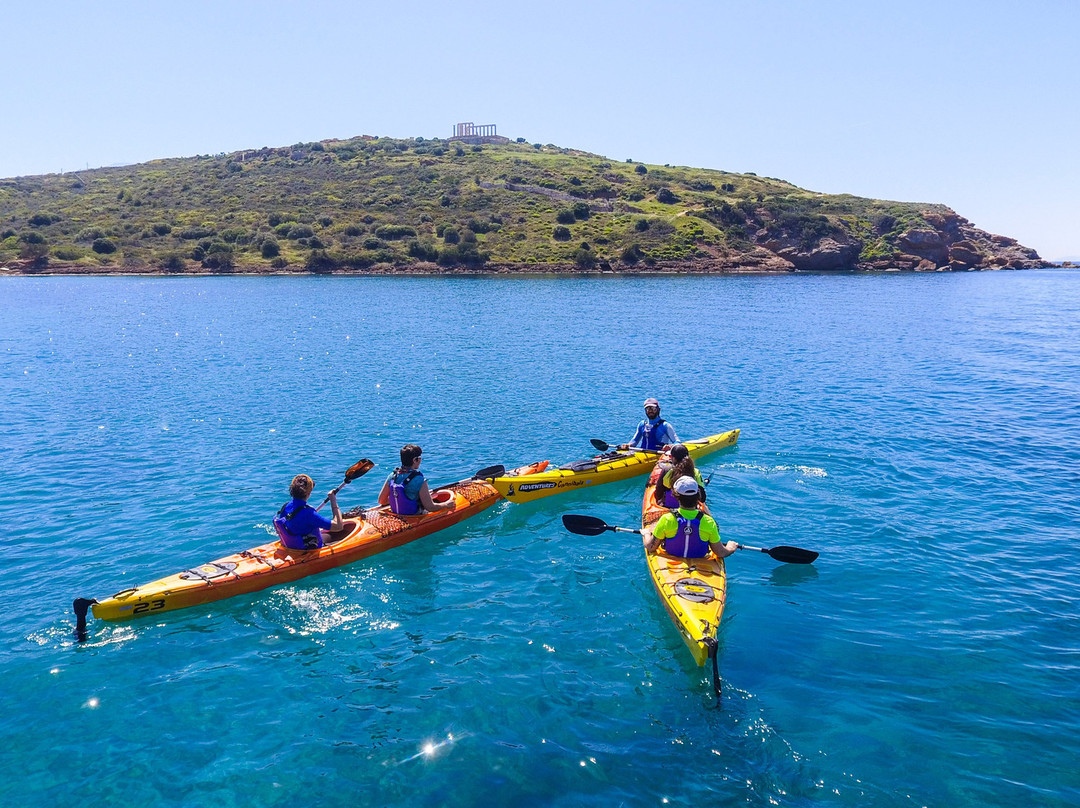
[387,205]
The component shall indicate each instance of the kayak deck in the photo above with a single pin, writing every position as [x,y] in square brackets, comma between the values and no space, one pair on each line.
[604,468]
[364,533]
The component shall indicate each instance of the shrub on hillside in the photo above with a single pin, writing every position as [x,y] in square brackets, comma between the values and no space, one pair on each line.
[641,225]
[67,253]
[584,258]
[631,255]
[270,249]
[194,233]
[666,197]
[581,210]
[43,219]
[89,234]
[103,246]
[565,216]
[640,169]
[462,255]
[31,237]
[393,232]
[319,261]
[561,233]
[451,236]
[299,231]
[423,251]
[172,262]
[354,230]
[161,228]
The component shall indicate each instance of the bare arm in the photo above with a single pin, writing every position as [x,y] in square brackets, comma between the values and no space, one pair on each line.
[429,504]
[723,550]
[338,521]
[384,495]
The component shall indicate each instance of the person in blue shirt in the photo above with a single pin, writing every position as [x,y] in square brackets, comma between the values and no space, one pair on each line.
[406,490]
[654,433]
[300,526]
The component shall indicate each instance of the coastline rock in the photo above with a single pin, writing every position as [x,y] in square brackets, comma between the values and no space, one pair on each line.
[926,244]
[964,252]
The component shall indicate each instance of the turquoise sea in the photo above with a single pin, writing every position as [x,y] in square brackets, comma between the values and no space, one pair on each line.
[922,432]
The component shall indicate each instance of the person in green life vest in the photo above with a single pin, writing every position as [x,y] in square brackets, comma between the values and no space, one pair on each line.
[688,532]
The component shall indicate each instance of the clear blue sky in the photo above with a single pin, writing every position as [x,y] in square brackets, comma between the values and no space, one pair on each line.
[972,104]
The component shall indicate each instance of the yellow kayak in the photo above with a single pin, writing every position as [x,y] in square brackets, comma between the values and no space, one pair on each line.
[603,468]
[693,590]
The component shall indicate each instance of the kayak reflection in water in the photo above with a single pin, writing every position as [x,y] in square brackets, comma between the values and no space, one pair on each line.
[679,464]
[688,532]
[406,490]
[654,433]
[298,525]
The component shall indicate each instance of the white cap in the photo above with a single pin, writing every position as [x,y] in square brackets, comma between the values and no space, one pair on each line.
[685,487]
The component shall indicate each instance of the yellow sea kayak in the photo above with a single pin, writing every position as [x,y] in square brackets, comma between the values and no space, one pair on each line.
[693,590]
[604,468]
[364,534]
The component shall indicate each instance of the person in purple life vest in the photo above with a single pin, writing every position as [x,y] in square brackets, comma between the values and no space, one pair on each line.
[298,525]
[679,464]
[654,433]
[688,532]
[406,490]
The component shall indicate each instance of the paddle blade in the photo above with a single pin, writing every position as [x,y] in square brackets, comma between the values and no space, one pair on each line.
[358,469]
[599,445]
[489,472]
[792,555]
[584,525]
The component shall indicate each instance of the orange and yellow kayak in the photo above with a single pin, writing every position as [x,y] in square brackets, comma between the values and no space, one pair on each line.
[365,533]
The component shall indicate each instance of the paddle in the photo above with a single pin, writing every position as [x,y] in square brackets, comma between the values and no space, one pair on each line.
[489,472]
[601,446]
[591,526]
[358,469]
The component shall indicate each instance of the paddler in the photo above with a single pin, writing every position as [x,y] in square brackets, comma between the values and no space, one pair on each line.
[406,490]
[299,526]
[688,532]
[654,433]
[679,464]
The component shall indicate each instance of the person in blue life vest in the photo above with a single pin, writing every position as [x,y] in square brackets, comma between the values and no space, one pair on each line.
[688,532]
[406,490]
[298,525]
[654,433]
[679,464]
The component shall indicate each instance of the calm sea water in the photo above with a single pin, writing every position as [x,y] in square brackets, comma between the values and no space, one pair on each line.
[921,432]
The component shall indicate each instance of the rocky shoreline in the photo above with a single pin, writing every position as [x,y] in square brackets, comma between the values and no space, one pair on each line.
[949,244]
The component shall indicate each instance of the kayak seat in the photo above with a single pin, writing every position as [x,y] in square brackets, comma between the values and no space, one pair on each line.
[335,536]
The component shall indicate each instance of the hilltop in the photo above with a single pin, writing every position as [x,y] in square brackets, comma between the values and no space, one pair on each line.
[392,205]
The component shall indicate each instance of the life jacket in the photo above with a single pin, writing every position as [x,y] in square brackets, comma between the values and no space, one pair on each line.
[650,436]
[294,541]
[687,543]
[670,500]
[399,500]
